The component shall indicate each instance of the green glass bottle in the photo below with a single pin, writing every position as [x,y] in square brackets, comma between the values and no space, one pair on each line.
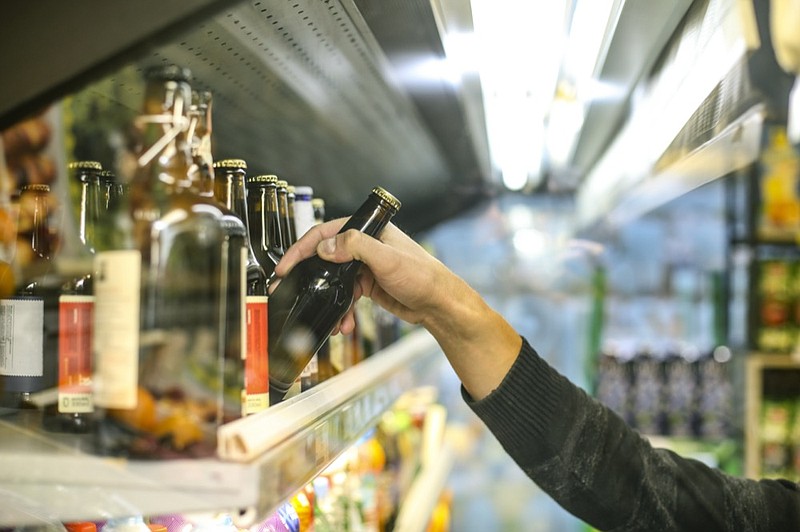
[74,405]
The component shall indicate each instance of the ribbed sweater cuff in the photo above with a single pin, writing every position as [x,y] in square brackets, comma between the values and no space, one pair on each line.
[528,406]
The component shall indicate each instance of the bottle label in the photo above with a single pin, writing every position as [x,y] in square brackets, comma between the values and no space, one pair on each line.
[75,315]
[257,362]
[116,327]
[22,337]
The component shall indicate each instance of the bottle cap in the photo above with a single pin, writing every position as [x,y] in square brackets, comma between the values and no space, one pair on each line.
[262,179]
[281,183]
[303,192]
[231,163]
[85,165]
[36,188]
[387,197]
[289,189]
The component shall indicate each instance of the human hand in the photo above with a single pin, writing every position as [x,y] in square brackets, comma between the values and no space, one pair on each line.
[397,273]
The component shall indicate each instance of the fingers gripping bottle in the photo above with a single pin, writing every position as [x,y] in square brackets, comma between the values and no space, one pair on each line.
[309,302]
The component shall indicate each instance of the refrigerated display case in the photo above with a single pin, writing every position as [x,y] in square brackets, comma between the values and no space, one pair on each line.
[306,80]
[331,108]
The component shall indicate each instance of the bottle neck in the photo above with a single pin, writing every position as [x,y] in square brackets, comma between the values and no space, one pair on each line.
[264,223]
[38,234]
[285,219]
[165,160]
[371,218]
[89,212]
[238,198]
[273,222]
[229,189]
[202,172]
[41,235]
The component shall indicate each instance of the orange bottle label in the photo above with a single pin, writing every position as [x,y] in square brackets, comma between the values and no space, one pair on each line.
[75,315]
[257,361]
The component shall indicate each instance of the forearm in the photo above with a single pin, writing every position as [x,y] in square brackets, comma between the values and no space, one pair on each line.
[479,343]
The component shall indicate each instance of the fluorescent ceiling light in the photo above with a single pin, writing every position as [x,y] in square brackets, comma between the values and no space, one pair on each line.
[589,26]
[591,20]
[518,46]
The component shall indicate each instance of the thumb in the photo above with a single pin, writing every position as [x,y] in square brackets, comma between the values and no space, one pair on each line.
[347,246]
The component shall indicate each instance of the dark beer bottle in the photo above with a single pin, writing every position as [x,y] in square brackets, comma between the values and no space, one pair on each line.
[290,220]
[286,219]
[304,220]
[309,302]
[325,368]
[229,188]
[265,223]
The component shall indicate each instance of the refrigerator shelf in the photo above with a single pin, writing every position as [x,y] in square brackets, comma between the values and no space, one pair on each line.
[263,459]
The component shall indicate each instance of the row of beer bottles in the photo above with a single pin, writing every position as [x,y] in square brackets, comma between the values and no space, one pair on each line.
[174,302]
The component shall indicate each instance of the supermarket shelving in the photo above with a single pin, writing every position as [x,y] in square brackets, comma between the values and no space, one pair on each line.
[264,459]
[757,364]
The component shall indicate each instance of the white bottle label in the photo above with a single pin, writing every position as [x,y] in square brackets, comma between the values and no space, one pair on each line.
[22,337]
[116,327]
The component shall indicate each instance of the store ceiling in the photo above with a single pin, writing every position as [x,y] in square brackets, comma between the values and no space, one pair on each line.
[315,90]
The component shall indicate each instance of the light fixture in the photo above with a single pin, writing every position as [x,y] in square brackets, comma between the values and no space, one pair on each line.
[519,45]
[591,23]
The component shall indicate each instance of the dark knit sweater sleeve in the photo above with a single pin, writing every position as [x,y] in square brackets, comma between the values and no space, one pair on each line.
[600,470]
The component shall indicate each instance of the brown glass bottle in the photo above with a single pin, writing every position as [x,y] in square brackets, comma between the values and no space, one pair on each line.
[160,302]
[30,343]
[229,189]
[72,411]
[290,220]
[286,218]
[309,302]
[265,222]
[318,204]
